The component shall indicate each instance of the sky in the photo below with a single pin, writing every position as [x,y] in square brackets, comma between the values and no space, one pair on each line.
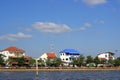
[39,26]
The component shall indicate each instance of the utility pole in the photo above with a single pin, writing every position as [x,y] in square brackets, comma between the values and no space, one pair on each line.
[36,77]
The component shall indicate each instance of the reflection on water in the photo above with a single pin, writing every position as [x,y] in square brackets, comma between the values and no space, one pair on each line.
[85,75]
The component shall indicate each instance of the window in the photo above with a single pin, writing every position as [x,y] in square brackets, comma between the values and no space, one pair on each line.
[105,55]
[66,59]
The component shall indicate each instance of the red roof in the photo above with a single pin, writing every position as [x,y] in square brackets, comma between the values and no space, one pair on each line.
[103,59]
[51,55]
[14,49]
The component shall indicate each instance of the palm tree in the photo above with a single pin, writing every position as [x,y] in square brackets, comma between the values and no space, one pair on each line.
[81,60]
[89,59]
[9,61]
[41,62]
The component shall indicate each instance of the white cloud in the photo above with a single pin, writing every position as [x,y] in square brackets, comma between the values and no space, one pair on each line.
[94,2]
[14,37]
[85,26]
[49,27]
[7,38]
[100,21]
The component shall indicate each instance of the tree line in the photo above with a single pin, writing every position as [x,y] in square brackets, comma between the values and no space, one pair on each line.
[79,62]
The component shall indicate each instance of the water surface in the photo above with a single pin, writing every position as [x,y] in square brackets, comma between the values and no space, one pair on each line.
[82,75]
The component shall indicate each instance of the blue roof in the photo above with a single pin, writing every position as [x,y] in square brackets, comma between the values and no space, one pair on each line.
[70,51]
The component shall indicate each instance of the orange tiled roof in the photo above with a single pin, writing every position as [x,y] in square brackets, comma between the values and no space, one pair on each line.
[103,59]
[14,49]
[51,55]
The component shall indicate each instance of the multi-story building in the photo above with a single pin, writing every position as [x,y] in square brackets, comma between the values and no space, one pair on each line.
[14,53]
[106,56]
[48,55]
[67,56]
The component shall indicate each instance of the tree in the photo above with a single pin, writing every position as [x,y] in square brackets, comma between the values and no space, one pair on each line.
[111,61]
[9,61]
[31,62]
[89,59]
[97,61]
[48,62]
[117,62]
[57,62]
[2,60]
[41,62]
[21,61]
[81,60]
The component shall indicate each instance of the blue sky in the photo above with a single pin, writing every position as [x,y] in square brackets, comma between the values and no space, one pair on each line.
[38,26]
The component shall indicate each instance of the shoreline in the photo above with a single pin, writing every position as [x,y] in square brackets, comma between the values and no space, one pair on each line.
[60,70]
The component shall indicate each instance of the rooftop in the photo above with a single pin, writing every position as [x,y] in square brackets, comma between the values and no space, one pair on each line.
[14,49]
[51,55]
[70,51]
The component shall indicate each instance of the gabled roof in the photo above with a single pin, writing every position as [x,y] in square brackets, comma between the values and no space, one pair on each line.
[51,55]
[70,51]
[107,52]
[14,49]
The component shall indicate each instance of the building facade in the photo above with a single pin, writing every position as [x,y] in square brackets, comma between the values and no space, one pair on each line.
[49,55]
[67,56]
[106,56]
[14,53]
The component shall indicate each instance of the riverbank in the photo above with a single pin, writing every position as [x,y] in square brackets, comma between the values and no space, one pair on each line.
[60,70]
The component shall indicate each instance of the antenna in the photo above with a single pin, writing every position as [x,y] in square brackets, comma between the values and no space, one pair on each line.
[52,47]
[52,44]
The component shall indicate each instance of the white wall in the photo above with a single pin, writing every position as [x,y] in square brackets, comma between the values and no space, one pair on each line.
[44,57]
[65,57]
[105,55]
[8,54]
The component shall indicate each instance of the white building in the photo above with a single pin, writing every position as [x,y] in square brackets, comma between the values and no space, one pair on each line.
[12,51]
[45,56]
[67,56]
[106,56]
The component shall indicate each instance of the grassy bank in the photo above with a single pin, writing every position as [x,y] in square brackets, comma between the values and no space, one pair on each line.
[59,70]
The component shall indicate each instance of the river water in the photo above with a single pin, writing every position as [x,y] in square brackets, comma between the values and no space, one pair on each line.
[81,75]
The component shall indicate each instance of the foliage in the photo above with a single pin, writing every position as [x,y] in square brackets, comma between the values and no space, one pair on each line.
[97,61]
[41,62]
[117,62]
[48,62]
[21,61]
[79,61]
[9,61]
[53,62]
[31,61]
[111,61]
[89,59]
[57,62]
[2,60]
[75,62]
